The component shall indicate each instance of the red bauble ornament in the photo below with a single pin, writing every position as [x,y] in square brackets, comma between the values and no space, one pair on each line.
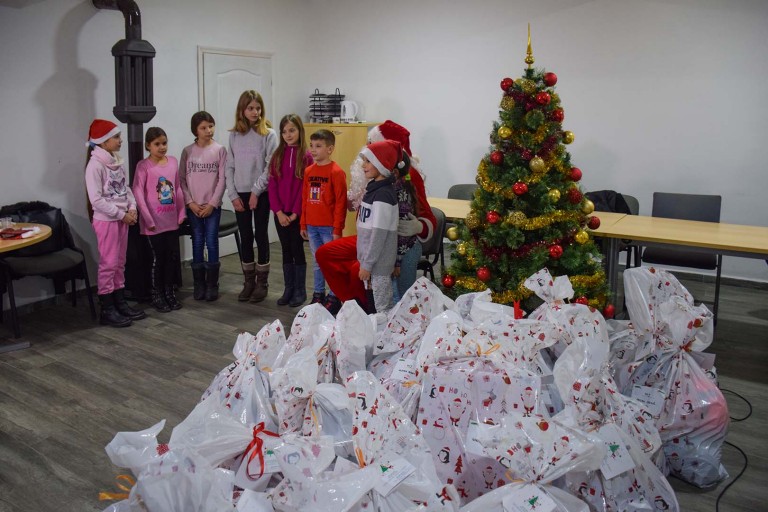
[593,223]
[543,98]
[497,158]
[575,173]
[550,79]
[574,195]
[530,106]
[506,83]
[519,188]
[526,154]
[555,251]
[449,281]
[582,300]
[492,217]
[609,311]
[557,115]
[483,274]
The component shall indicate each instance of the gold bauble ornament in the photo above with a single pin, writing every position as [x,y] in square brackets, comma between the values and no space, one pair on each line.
[588,207]
[537,164]
[471,261]
[504,132]
[526,85]
[516,218]
[461,248]
[568,137]
[581,237]
[554,195]
[472,221]
[452,233]
[507,103]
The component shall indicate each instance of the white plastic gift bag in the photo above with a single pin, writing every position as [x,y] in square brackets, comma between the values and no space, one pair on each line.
[352,340]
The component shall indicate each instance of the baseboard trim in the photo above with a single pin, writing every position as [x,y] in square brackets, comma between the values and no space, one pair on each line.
[729,281]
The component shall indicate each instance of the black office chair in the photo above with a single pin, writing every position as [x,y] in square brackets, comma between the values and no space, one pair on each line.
[432,250]
[57,258]
[616,202]
[462,191]
[699,207]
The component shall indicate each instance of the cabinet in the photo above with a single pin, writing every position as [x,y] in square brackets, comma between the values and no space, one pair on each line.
[350,139]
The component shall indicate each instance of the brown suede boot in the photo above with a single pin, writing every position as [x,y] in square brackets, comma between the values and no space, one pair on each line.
[249,271]
[262,283]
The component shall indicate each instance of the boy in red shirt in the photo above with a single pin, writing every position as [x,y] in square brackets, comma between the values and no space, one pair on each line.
[324,204]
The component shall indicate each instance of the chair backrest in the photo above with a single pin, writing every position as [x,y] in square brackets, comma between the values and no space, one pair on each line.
[700,207]
[432,246]
[462,191]
[42,213]
[608,201]
[633,203]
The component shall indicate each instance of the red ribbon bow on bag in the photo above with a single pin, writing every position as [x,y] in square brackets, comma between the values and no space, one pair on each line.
[256,447]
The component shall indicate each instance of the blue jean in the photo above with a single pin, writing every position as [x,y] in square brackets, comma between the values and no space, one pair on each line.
[319,235]
[205,233]
[407,271]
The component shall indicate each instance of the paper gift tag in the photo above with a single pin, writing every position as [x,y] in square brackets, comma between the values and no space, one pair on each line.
[617,459]
[405,370]
[652,398]
[528,498]
[392,474]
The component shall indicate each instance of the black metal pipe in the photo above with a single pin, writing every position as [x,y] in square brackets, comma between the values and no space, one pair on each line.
[130,11]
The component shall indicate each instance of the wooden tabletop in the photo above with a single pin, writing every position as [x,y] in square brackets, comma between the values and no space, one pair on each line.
[12,245]
[717,236]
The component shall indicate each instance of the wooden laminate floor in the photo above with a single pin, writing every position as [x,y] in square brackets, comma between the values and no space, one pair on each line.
[63,399]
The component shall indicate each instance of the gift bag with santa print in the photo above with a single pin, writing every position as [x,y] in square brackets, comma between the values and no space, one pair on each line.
[352,340]
[385,438]
[456,396]
[408,320]
[535,451]
[293,384]
[692,414]
[259,351]
[627,479]
[311,485]
[312,327]
[258,461]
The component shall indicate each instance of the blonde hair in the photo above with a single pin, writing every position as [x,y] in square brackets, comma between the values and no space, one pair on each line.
[242,125]
[276,163]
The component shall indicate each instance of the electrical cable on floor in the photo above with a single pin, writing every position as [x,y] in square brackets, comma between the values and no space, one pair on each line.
[746,459]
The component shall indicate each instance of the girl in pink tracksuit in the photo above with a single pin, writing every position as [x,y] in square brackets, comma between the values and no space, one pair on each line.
[114,209]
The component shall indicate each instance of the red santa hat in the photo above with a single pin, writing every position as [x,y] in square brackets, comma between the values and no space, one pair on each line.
[102,130]
[384,155]
[390,130]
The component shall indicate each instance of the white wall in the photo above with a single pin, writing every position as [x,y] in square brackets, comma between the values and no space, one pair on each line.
[662,95]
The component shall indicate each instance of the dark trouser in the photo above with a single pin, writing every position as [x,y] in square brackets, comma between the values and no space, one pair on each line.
[291,242]
[253,225]
[165,258]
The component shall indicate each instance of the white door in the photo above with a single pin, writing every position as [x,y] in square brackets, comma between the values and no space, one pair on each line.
[222,76]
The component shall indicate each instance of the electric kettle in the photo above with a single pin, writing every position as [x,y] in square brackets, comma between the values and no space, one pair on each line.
[349,111]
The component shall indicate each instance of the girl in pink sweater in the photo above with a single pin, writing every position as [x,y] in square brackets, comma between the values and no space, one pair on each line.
[113,209]
[286,179]
[161,208]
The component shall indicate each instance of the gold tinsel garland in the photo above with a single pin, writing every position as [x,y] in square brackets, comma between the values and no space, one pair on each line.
[521,293]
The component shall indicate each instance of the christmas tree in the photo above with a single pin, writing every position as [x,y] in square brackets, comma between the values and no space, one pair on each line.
[528,211]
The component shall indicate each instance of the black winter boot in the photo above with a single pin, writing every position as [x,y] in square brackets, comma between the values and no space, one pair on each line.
[122,306]
[110,315]
[318,298]
[170,298]
[212,281]
[299,296]
[289,277]
[159,302]
[198,276]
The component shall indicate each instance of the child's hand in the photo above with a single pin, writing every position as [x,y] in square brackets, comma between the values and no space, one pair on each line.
[127,219]
[238,205]
[194,208]
[206,210]
[253,201]
[364,275]
[335,236]
[396,272]
[304,234]
[283,219]
[151,228]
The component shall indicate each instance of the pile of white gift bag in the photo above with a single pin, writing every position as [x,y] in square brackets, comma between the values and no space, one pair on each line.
[447,405]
